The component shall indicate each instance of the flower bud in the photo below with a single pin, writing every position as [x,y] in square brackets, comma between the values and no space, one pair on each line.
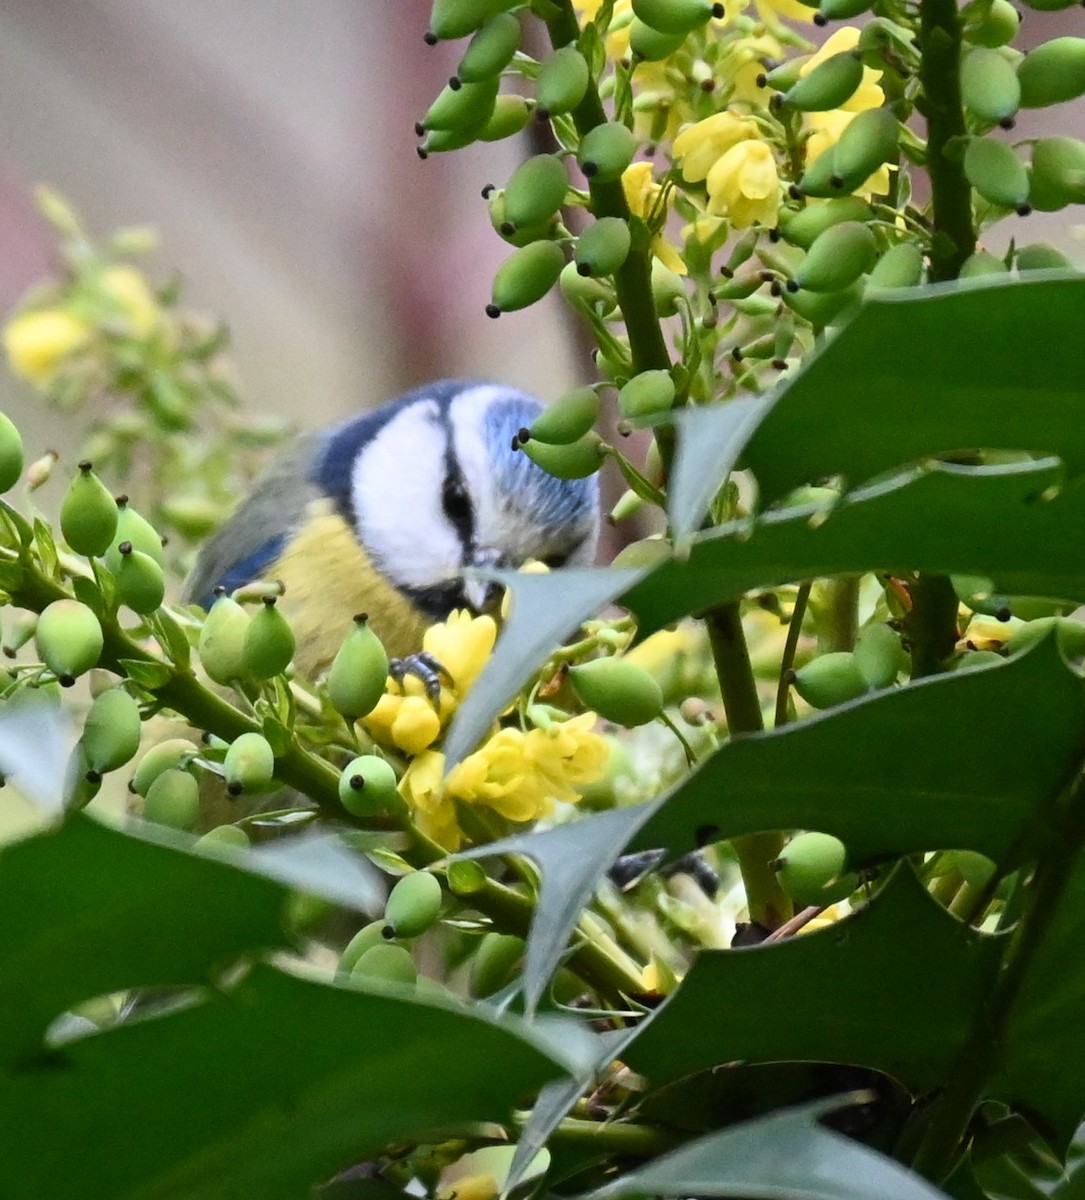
[1053,73]
[811,870]
[367,787]
[222,640]
[990,89]
[358,672]
[830,679]
[837,258]
[173,752]
[606,150]
[88,514]
[173,800]
[676,16]
[141,585]
[829,85]
[536,190]
[647,394]
[568,419]
[562,81]
[618,690]
[491,49]
[603,246]
[385,964]
[269,642]
[112,730]
[576,460]
[249,764]
[525,277]
[69,639]
[413,905]
[11,454]
[996,172]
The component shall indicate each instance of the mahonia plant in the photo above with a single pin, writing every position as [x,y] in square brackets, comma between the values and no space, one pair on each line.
[808,722]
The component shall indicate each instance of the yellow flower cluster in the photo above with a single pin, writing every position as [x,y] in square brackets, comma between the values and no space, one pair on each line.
[739,170]
[643,195]
[41,341]
[517,774]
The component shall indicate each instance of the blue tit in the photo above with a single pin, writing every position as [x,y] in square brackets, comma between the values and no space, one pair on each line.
[383,513]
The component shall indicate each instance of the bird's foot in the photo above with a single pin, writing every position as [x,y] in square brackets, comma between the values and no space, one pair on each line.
[424,667]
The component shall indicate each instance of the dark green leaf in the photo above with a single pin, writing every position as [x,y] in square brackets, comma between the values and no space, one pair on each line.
[1008,524]
[893,987]
[322,865]
[1045,1041]
[261,1091]
[86,910]
[896,378]
[545,609]
[709,442]
[572,859]
[960,761]
[785,1156]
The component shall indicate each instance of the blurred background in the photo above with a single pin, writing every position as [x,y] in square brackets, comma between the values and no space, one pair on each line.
[271,145]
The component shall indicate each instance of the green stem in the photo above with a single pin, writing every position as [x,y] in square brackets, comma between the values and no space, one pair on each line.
[611,1137]
[768,903]
[951,195]
[982,1053]
[633,279]
[932,624]
[953,240]
[787,661]
[838,609]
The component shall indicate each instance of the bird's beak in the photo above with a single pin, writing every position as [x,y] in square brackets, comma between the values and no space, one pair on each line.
[484,595]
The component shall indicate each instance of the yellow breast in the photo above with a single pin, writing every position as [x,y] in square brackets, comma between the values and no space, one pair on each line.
[328,579]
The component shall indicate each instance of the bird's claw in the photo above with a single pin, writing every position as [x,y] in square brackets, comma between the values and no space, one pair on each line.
[424,667]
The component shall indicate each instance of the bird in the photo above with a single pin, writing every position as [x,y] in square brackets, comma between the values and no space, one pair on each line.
[383,513]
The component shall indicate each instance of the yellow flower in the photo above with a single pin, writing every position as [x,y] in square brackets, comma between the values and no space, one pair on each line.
[405,716]
[500,776]
[462,644]
[826,129]
[699,147]
[744,186]
[433,808]
[642,193]
[127,289]
[567,754]
[744,64]
[38,343]
[868,94]
[769,10]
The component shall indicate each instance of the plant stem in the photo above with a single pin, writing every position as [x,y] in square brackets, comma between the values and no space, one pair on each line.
[980,1056]
[633,279]
[951,194]
[838,608]
[767,901]
[787,661]
[612,1137]
[934,614]
[932,623]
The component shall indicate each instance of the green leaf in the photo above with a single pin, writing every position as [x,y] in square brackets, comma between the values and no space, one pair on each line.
[147,673]
[1011,525]
[1044,1044]
[86,910]
[710,440]
[545,609]
[894,986]
[572,859]
[785,1156]
[895,376]
[323,865]
[261,1091]
[960,761]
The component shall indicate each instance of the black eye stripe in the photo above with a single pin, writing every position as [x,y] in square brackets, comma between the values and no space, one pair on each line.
[456,504]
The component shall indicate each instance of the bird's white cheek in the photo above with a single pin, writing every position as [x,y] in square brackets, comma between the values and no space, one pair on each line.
[397,482]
